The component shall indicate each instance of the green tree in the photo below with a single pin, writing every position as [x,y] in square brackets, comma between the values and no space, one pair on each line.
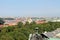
[20,24]
[33,23]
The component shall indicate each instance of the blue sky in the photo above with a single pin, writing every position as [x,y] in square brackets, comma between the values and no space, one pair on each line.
[37,8]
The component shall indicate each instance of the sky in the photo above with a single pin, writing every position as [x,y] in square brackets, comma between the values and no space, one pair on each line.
[30,8]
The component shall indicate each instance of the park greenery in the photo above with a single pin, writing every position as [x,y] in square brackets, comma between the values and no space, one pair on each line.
[21,32]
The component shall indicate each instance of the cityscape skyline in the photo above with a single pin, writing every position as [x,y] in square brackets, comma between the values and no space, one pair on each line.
[30,8]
